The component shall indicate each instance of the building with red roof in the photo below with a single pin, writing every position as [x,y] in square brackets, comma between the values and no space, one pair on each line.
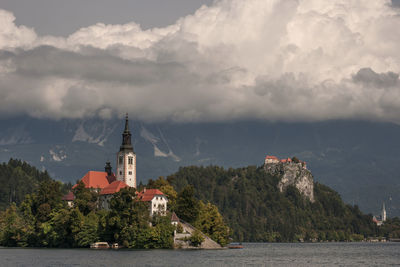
[69,198]
[108,192]
[288,160]
[156,199]
[174,219]
[95,179]
[271,159]
[113,188]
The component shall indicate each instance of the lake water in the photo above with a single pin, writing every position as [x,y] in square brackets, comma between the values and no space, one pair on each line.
[266,254]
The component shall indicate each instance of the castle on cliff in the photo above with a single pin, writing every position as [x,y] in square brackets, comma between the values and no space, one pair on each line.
[274,160]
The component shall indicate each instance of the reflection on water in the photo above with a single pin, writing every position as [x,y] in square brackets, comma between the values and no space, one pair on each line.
[267,254]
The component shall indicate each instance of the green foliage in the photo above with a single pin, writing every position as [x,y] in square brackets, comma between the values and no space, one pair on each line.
[196,238]
[390,228]
[256,211]
[17,179]
[86,200]
[179,228]
[211,223]
[14,230]
[85,229]
[187,206]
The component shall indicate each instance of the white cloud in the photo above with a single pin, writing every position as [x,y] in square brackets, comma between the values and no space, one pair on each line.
[265,59]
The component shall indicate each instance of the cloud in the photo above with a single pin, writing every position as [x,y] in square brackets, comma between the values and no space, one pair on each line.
[288,60]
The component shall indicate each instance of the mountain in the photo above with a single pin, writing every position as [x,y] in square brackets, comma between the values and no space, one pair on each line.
[358,159]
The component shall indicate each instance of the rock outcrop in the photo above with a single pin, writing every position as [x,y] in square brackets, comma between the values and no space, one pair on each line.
[292,173]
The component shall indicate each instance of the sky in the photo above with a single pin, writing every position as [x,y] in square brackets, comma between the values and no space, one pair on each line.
[191,61]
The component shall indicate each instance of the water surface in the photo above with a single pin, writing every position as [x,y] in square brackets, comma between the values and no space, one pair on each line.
[254,254]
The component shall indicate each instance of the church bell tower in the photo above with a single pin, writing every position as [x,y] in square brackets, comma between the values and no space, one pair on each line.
[126,158]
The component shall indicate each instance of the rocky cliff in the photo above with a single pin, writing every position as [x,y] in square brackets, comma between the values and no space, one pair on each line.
[293,174]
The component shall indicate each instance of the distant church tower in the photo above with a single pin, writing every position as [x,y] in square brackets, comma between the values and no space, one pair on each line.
[126,158]
[383,215]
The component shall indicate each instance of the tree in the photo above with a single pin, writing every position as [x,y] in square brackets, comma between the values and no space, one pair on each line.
[128,220]
[87,232]
[187,206]
[172,196]
[211,223]
[86,199]
[196,238]
[56,232]
[14,230]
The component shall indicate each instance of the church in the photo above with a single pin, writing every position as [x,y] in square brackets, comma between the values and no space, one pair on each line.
[108,183]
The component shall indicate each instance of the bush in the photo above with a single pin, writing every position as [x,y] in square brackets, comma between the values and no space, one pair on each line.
[196,238]
[179,228]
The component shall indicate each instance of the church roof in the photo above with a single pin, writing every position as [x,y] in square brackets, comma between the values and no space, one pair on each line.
[113,188]
[95,179]
[149,194]
[271,157]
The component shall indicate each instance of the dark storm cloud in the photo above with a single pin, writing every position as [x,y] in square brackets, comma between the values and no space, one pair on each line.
[369,77]
[61,17]
[97,65]
[396,3]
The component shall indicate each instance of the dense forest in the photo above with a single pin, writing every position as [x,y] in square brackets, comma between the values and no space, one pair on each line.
[17,179]
[257,211]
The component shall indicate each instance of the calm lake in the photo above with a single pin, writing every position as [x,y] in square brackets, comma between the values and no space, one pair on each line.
[254,254]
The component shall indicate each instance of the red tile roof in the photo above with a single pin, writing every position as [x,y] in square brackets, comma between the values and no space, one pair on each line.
[69,197]
[286,160]
[271,157]
[94,179]
[149,194]
[113,188]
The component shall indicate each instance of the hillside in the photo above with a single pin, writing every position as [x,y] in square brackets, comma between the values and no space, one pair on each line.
[253,206]
[18,179]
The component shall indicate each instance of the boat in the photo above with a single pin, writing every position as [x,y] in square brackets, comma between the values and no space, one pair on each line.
[235,246]
[100,245]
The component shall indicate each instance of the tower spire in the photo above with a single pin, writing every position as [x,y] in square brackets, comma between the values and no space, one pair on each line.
[383,215]
[126,137]
[126,158]
[126,123]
